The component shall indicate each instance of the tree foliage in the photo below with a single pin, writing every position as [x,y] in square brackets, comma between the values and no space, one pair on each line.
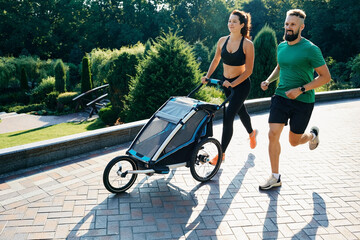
[60,77]
[169,69]
[265,61]
[23,80]
[86,82]
[67,29]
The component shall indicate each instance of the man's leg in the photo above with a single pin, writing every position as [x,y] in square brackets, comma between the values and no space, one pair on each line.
[298,139]
[274,145]
[274,154]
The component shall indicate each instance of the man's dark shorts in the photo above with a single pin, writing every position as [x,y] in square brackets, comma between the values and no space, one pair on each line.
[283,109]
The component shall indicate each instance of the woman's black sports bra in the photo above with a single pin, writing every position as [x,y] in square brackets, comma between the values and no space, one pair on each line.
[233,59]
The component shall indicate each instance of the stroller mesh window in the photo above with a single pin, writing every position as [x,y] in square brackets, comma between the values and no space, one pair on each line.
[187,131]
[153,136]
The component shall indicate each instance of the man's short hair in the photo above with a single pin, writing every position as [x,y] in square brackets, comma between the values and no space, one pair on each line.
[296,12]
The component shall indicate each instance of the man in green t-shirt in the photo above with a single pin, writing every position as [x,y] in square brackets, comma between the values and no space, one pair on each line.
[294,97]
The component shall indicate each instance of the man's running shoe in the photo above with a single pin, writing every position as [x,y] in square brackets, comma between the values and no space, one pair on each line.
[270,183]
[315,142]
[215,159]
[253,139]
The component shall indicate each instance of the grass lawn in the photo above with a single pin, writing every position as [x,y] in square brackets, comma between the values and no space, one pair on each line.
[44,133]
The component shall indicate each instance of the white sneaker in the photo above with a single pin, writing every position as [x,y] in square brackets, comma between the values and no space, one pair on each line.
[270,183]
[315,142]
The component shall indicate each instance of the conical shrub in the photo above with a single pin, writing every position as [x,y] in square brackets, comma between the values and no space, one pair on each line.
[23,80]
[86,83]
[60,77]
[265,45]
[169,69]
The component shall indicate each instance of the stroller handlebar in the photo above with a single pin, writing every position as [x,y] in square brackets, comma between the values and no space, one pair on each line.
[214,82]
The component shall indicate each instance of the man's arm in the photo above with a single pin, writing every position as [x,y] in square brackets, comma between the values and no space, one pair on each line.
[273,76]
[322,78]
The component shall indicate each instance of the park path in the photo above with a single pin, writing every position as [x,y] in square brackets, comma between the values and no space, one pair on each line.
[12,122]
[319,199]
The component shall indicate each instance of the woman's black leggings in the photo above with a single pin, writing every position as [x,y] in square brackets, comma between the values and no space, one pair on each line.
[236,106]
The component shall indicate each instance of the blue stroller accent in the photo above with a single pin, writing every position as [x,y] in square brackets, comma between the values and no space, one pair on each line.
[177,135]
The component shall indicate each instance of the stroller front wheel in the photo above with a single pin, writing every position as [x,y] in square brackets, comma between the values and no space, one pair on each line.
[116,178]
[204,151]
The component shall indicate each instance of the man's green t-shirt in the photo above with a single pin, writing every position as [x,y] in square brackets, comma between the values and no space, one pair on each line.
[297,63]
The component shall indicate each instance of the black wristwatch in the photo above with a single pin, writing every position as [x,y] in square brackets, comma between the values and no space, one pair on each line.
[302,89]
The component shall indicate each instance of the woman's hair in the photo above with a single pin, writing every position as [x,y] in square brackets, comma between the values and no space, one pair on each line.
[246,19]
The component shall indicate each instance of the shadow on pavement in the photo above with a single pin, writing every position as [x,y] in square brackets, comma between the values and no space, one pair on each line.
[199,224]
[319,218]
[166,211]
[270,229]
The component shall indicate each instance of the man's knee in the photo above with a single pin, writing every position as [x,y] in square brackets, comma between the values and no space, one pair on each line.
[294,142]
[294,139]
[273,135]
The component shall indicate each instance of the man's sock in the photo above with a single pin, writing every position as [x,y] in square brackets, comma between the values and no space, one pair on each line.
[276,175]
[314,136]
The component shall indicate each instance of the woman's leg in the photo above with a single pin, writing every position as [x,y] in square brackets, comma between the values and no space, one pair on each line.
[236,106]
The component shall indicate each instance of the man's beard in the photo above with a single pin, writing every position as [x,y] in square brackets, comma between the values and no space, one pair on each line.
[291,37]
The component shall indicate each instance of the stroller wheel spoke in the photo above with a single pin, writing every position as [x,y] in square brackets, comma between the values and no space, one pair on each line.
[200,166]
[116,178]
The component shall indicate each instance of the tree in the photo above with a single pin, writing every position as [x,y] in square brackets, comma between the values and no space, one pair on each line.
[265,61]
[23,80]
[258,13]
[74,76]
[170,69]
[121,70]
[60,77]
[340,36]
[202,55]
[86,83]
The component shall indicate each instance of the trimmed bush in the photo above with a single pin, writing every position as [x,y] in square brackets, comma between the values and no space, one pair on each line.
[60,77]
[265,45]
[121,70]
[51,100]
[27,108]
[108,115]
[169,69]
[74,77]
[23,80]
[67,98]
[86,83]
[39,93]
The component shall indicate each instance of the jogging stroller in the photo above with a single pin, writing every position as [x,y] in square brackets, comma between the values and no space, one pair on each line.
[179,134]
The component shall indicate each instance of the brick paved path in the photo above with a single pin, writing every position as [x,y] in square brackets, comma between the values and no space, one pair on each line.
[319,199]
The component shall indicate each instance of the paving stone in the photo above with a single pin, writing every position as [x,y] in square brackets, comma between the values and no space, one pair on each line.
[319,199]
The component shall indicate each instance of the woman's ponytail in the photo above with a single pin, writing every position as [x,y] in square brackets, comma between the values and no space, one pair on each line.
[246,19]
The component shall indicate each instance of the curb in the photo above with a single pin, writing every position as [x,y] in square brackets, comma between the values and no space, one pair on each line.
[34,154]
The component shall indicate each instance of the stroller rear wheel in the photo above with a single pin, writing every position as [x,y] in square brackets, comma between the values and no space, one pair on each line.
[116,178]
[200,167]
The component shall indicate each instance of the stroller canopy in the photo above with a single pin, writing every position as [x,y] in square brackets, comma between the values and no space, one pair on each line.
[177,108]
[173,120]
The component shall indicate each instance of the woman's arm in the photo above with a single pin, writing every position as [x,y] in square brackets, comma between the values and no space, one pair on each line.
[214,62]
